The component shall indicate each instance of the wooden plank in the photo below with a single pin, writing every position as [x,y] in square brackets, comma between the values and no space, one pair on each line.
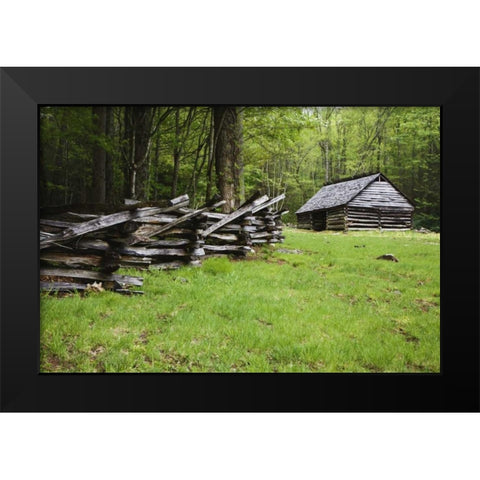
[73,287]
[181,200]
[166,265]
[156,219]
[169,242]
[131,201]
[182,219]
[83,216]
[152,252]
[226,248]
[125,291]
[91,244]
[234,215]
[265,234]
[269,203]
[71,260]
[100,223]
[62,286]
[133,261]
[226,237]
[56,223]
[214,215]
[91,275]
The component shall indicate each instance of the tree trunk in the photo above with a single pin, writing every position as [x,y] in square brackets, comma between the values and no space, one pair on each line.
[238,165]
[109,132]
[143,127]
[128,152]
[176,154]
[228,165]
[137,137]
[99,155]
[211,156]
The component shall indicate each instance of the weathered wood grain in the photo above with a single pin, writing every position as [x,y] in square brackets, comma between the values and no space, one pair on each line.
[100,223]
[182,219]
[152,252]
[234,215]
[91,275]
[71,259]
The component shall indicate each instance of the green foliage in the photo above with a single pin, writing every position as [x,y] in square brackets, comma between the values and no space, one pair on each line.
[291,150]
[331,308]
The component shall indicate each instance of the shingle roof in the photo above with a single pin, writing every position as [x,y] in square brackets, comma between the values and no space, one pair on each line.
[337,194]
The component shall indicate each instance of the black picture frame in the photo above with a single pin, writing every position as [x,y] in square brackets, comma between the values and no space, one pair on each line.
[456,388]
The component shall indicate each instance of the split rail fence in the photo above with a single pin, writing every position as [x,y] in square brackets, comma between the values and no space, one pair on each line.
[81,251]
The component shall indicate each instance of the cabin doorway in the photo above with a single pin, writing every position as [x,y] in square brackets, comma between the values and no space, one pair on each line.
[319,220]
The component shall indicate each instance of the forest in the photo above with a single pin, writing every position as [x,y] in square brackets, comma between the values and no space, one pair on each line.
[105,154]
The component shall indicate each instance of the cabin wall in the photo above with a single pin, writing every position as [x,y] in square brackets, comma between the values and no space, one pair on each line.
[373,218]
[304,220]
[379,205]
[381,195]
[336,218]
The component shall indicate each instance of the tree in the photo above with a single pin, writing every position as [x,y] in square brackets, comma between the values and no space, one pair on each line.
[228,155]
[99,155]
[159,152]
[137,139]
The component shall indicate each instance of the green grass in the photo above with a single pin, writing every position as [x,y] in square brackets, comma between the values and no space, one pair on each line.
[331,308]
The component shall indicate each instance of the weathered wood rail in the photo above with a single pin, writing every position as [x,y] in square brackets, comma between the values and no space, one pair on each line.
[78,248]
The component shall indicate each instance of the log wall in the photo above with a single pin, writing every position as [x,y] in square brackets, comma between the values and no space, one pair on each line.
[336,218]
[372,218]
[304,220]
[379,205]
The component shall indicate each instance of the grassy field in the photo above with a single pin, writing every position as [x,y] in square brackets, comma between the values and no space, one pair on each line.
[330,308]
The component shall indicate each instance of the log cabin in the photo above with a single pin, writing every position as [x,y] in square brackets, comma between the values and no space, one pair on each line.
[366,203]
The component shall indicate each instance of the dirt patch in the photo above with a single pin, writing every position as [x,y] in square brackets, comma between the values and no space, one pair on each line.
[175,360]
[316,366]
[415,367]
[408,336]
[372,368]
[264,322]
[234,367]
[351,299]
[96,351]
[143,338]
[117,331]
[425,305]
[53,363]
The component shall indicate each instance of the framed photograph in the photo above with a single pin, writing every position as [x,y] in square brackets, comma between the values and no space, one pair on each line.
[314,167]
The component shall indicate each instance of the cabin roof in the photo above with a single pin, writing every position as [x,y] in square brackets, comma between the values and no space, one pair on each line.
[337,194]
